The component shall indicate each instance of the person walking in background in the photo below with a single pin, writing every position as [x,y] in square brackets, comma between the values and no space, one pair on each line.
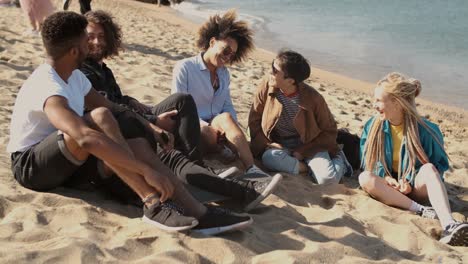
[404,158]
[223,40]
[291,126]
[85,5]
[36,11]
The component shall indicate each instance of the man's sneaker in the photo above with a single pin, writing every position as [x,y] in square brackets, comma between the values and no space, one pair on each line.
[427,212]
[167,216]
[257,191]
[255,172]
[218,220]
[225,172]
[455,234]
[66,4]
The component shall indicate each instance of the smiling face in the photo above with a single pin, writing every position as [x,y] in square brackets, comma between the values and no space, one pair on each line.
[222,51]
[388,108]
[96,41]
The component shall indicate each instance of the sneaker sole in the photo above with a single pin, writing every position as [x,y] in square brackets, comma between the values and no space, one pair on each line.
[222,229]
[229,173]
[459,237]
[169,228]
[268,190]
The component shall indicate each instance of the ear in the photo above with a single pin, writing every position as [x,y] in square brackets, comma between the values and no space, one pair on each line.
[290,81]
[212,41]
[73,51]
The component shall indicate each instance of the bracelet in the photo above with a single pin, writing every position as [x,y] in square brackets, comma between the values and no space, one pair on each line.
[150,197]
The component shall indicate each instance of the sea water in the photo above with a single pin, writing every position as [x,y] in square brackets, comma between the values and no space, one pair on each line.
[364,39]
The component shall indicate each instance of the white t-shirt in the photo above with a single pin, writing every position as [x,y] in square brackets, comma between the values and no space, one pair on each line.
[29,123]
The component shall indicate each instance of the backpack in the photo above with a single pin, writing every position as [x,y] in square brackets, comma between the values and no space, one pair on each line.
[351,145]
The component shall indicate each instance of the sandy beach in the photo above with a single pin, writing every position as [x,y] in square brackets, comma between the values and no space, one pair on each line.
[300,223]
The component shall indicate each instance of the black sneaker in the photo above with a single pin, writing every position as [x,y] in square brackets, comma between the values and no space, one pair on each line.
[167,216]
[427,212]
[455,234]
[218,220]
[259,190]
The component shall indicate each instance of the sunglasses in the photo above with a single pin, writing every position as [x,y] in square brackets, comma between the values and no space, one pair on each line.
[228,52]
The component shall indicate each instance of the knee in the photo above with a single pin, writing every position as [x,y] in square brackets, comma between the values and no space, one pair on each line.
[225,118]
[367,180]
[102,115]
[430,173]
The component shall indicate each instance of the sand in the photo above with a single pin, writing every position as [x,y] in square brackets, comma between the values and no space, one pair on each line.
[300,223]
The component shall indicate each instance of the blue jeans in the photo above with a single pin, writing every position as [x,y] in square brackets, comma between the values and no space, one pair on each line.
[323,168]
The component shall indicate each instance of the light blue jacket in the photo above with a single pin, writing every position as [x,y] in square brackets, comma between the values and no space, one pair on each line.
[434,152]
[193,77]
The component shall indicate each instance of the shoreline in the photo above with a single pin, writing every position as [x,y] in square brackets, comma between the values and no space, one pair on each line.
[265,55]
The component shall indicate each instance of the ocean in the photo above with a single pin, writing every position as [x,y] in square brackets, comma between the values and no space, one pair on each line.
[364,39]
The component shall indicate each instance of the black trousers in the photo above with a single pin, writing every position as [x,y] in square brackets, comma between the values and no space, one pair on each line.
[85,6]
[188,171]
[187,132]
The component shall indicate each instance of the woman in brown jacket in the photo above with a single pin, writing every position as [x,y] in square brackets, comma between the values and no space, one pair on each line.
[291,126]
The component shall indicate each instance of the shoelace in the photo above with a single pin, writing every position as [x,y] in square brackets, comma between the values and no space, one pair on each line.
[173,207]
[218,210]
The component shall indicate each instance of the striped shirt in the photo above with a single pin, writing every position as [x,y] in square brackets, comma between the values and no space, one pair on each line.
[284,128]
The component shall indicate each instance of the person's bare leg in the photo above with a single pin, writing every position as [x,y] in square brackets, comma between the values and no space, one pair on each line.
[235,137]
[143,151]
[378,188]
[428,185]
[102,120]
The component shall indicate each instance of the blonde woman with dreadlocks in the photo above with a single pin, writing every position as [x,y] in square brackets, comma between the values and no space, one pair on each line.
[404,158]
[223,40]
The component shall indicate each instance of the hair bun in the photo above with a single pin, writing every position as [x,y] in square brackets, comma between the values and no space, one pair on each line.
[416,83]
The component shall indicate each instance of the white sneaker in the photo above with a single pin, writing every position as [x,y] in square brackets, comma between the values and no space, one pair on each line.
[255,172]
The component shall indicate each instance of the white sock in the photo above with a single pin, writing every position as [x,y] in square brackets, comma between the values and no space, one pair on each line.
[415,207]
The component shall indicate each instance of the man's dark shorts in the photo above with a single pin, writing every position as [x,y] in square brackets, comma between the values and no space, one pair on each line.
[49,164]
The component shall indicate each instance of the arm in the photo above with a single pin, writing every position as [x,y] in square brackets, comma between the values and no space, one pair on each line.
[326,139]
[179,79]
[66,120]
[94,99]
[258,139]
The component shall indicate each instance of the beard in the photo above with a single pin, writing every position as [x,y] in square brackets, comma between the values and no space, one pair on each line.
[96,52]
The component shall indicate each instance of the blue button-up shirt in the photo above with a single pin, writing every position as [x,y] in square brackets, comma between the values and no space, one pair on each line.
[193,77]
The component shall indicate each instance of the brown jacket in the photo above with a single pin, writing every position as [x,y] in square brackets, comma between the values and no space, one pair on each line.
[314,122]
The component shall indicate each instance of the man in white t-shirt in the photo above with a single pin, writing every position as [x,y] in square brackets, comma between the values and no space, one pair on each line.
[51,138]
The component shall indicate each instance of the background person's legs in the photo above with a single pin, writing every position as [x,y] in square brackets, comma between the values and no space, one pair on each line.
[85,6]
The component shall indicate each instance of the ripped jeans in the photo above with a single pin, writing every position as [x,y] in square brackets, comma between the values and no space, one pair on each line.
[322,168]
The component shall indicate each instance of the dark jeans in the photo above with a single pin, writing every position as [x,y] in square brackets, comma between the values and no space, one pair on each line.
[85,6]
[187,132]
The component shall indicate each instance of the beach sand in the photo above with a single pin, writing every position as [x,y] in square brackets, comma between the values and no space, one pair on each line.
[300,223]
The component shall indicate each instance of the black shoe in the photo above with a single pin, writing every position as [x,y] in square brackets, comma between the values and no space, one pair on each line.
[259,190]
[455,234]
[218,220]
[167,216]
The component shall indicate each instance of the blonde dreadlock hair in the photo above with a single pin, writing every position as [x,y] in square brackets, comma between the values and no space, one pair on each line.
[403,91]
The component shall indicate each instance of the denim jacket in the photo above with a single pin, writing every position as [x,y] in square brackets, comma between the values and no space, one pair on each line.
[434,152]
